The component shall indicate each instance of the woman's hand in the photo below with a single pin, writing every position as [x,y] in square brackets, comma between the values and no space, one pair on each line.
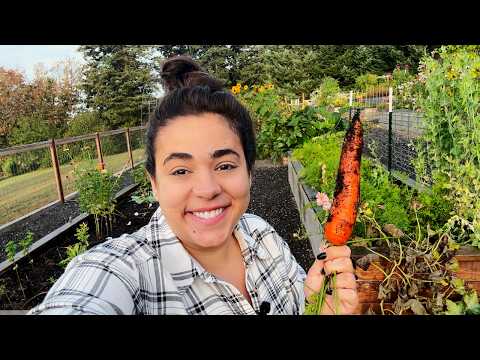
[337,260]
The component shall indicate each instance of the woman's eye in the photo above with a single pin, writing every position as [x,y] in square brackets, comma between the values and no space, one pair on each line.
[227,167]
[179,172]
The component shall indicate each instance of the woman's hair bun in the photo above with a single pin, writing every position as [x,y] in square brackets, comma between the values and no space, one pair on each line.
[182,71]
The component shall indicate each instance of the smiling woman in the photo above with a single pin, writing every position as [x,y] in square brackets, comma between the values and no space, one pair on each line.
[200,253]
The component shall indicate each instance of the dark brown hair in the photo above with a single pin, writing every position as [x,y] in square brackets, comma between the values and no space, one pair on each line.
[192,91]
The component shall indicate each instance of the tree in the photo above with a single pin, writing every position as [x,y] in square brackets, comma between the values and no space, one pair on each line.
[118,79]
[296,68]
[13,98]
[220,61]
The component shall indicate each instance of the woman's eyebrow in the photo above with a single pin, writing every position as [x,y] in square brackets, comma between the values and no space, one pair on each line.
[186,156]
[182,156]
[222,152]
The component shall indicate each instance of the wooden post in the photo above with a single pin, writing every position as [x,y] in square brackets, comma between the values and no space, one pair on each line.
[56,169]
[127,136]
[101,164]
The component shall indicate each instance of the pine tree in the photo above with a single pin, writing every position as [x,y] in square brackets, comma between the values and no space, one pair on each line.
[118,80]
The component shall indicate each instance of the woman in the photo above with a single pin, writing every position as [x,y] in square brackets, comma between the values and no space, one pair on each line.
[200,253]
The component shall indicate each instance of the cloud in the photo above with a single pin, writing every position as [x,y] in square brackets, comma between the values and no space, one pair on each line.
[25,57]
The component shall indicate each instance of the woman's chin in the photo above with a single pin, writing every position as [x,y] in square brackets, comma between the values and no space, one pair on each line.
[209,241]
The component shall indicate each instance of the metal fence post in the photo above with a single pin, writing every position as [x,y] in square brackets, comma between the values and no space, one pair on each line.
[127,136]
[101,164]
[56,169]
[350,103]
[390,113]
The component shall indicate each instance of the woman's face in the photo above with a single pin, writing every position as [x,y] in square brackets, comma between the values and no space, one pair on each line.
[201,179]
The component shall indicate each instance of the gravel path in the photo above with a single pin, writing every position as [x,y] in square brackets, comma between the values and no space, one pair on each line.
[272,199]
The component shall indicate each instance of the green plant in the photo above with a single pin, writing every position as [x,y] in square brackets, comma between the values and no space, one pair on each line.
[365,81]
[79,247]
[386,200]
[26,242]
[97,191]
[281,135]
[144,194]
[11,250]
[10,167]
[467,305]
[4,290]
[326,93]
[451,136]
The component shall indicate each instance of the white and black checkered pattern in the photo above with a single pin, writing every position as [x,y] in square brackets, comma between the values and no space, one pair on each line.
[150,272]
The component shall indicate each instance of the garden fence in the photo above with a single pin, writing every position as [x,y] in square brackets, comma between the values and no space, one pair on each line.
[390,136]
[34,175]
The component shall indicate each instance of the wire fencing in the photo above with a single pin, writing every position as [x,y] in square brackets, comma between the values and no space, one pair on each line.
[34,175]
[391,135]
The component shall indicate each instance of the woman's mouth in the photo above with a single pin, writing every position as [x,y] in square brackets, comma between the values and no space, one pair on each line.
[211,217]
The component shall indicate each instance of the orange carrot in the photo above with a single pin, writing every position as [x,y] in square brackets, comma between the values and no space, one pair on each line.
[343,212]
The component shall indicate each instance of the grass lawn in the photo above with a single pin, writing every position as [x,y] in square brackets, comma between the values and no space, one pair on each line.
[24,193]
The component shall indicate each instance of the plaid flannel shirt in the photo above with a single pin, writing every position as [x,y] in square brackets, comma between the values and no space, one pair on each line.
[150,272]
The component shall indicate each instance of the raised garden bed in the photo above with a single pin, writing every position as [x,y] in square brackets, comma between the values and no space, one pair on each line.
[40,268]
[369,279]
[37,277]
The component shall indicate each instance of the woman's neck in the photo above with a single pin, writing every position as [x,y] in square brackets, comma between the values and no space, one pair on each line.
[214,260]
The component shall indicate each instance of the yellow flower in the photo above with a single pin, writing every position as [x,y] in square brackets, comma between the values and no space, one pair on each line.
[245,87]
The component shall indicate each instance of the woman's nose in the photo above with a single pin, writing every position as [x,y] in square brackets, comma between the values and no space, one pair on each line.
[206,186]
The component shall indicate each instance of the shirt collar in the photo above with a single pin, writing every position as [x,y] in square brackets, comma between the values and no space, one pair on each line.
[180,264]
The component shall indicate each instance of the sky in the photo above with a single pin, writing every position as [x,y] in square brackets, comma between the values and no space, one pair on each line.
[24,57]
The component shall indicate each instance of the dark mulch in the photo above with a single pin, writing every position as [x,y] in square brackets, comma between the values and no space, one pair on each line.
[45,221]
[37,277]
[271,199]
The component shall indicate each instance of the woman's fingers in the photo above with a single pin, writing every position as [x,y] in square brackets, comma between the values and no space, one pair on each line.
[334,252]
[345,280]
[347,303]
[348,300]
[338,265]
[315,277]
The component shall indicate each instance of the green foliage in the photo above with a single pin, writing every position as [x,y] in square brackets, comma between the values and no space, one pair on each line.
[144,193]
[296,68]
[97,191]
[26,242]
[381,198]
[35,128]
[118,79]
[281,127]
[387,200]
[10,167]
[84,123]
[325,94]
[278,137]
[78,248]
[11,250]
[401,76]
[365,81]
[451,105]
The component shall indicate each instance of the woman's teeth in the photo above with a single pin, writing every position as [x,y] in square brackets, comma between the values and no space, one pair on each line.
[208,214]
